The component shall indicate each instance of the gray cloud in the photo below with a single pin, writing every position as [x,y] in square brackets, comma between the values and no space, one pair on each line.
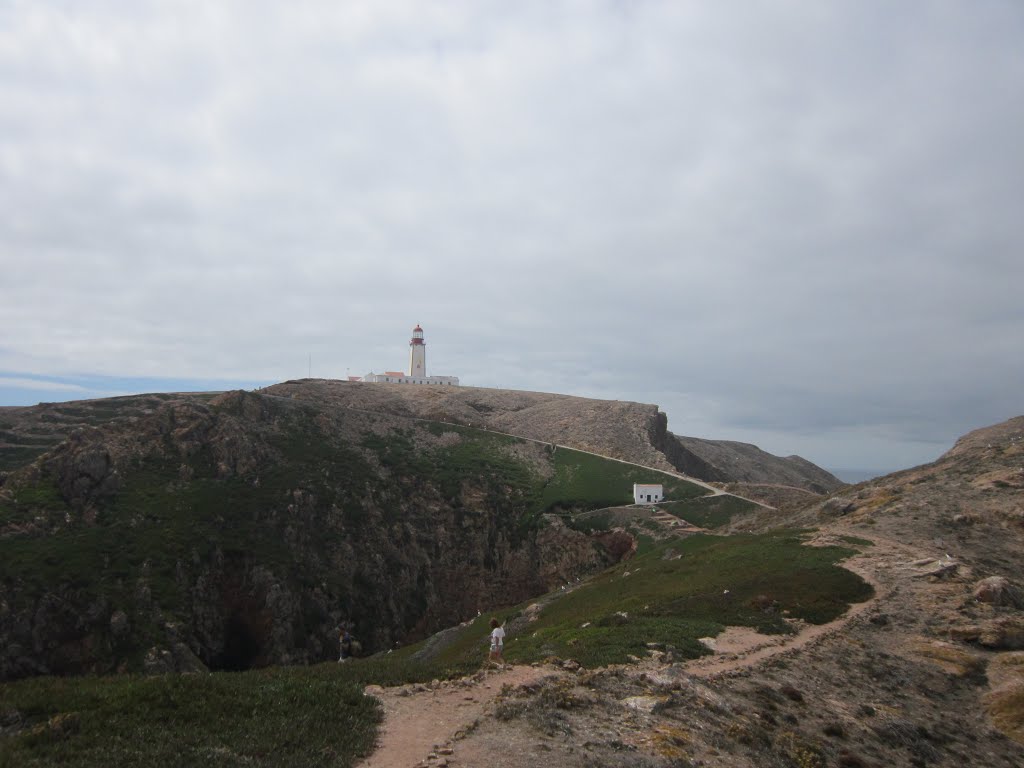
[795,225]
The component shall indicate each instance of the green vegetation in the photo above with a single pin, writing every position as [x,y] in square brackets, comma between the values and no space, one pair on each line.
[309,493]
[581,481]
[306,716]
[158,520]
[479,460]
[14,456]
[709,511]
[584,481]
[675,593]
[284,716]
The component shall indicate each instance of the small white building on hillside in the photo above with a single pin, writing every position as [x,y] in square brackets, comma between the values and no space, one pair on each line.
[645,493]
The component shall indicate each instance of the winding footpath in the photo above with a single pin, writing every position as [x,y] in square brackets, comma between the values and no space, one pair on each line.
[422,723]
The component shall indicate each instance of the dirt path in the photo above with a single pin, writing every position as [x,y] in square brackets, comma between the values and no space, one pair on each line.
[422,721]
[740,647]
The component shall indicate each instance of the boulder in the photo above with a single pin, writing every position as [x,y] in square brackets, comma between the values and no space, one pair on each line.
[997,590]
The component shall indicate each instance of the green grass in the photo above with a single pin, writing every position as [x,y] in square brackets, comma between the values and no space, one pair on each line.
[13,457]
[715,582]
[709,511]
[284,716]
[310,716]
[584,481]
[580,481]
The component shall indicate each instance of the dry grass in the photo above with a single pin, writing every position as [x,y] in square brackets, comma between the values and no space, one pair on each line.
[949,657]
[1005,702]
[1006,708]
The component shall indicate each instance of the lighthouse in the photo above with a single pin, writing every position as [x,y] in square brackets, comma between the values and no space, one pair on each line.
[417,373]
[417,354]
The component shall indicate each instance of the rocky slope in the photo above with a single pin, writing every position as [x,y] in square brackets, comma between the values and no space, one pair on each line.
[245,530]
[631,431]
[746,463]
[930,673]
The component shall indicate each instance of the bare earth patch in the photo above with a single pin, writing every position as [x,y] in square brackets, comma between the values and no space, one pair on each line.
[421,721]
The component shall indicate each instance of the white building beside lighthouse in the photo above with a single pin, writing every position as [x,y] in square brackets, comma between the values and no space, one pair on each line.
[417,373]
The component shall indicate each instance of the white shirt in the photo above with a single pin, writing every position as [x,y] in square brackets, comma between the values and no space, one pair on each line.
[496,636]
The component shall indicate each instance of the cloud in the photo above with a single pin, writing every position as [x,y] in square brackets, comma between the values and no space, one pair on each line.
[796,220]
[14,382]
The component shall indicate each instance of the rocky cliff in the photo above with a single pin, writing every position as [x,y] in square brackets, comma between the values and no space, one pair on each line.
[737,462]
[244,530]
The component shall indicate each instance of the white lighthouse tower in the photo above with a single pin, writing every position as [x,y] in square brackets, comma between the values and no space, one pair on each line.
[417,354]
[417,373]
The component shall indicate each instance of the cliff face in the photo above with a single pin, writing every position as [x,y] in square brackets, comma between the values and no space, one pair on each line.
[245,530]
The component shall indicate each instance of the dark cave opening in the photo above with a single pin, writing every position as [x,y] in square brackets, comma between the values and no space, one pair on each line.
[241,645]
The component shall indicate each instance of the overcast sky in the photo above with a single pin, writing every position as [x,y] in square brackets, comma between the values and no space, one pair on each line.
[798,224]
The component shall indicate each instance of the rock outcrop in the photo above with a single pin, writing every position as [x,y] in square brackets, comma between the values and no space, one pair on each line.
[243,531]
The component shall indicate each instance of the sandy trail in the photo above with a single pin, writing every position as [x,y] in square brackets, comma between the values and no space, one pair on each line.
[420,721]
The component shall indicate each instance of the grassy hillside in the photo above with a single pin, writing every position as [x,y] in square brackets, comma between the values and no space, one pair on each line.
[710,511]
[675,593]
[584,481]
[299,717]
[317,716]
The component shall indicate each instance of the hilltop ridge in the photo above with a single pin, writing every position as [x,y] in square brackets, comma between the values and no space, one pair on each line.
[622,429]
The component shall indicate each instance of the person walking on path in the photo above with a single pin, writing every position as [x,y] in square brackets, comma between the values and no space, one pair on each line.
[497,643]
